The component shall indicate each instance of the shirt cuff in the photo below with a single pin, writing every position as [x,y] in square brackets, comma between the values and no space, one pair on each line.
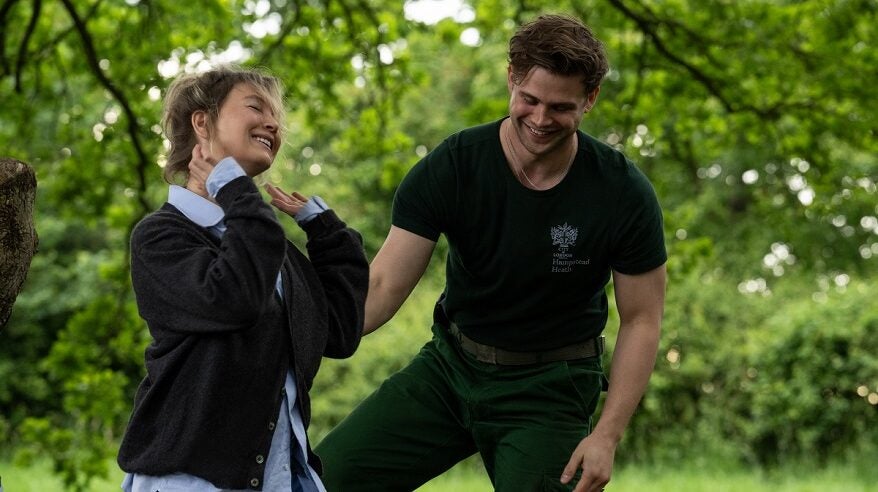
[313,207]
[225,171]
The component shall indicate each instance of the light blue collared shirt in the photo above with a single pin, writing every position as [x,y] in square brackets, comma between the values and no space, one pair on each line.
[286,468]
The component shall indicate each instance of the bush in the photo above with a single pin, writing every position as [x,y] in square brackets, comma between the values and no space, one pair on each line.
[760,378]
[686,409]
[814,384]
[92,367]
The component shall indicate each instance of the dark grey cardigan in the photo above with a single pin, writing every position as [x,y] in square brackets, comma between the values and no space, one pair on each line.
[223,339]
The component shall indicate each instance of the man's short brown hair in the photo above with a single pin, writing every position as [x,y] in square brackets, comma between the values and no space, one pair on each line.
[561,45]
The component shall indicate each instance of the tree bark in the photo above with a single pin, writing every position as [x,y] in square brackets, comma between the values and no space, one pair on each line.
[18,237]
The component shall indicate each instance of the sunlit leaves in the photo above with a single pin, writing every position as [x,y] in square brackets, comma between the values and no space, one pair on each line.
[754,119]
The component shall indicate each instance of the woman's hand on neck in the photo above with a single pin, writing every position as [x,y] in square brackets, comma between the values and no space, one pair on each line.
[200,167]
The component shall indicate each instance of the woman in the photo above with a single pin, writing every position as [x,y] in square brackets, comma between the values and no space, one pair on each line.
[240,318]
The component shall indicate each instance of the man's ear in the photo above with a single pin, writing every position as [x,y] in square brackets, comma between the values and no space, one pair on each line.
[509,78]
[200,124]
[592,98]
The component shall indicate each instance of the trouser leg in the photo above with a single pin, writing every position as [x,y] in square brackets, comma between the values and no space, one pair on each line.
[411,429]
[527,422]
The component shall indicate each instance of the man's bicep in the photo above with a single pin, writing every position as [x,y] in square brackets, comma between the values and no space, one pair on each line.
[641,295]
[402,259]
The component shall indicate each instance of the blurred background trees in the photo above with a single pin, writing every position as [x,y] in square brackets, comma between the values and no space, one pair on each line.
[755,120]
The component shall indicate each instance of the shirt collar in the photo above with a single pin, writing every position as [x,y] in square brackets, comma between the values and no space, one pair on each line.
[195,207]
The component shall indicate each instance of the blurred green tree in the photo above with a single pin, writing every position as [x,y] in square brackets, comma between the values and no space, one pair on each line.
[755,120]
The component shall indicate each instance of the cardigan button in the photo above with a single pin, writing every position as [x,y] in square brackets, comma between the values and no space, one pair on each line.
[260,459]
[254,482]
[271,426]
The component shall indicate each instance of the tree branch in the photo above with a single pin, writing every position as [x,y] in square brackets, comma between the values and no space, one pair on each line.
[49,46]
[682,151]
[133,127]
[675,25]
[638,90]
[22,50]
[4,11]
[648,27]
[349,14]
[288,26]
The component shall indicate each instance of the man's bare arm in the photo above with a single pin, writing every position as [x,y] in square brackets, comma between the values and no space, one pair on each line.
[640,300]
[394,273]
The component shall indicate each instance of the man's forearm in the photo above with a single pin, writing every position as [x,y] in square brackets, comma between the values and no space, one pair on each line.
[378,308]
[384,299]
[393,274]
[633,363]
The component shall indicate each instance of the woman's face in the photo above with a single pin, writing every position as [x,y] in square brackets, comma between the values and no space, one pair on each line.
[246,129]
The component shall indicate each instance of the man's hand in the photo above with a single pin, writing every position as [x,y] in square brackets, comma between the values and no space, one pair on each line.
[289,204]
[595,455]
[640,301]
[200,167]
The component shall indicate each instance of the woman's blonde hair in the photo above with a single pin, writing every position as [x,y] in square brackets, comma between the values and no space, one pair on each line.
[206,91]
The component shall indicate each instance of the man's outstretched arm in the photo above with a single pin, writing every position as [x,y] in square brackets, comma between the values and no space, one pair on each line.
[394,273]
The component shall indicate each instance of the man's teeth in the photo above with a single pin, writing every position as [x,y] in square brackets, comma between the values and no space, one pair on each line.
[537,132]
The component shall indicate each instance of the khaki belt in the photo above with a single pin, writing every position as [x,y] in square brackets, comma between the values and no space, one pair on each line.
[493,355]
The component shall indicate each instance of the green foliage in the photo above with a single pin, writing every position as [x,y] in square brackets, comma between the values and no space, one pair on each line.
[755,121]
[89,364]
[758,379]
[813,378]
[64,279]
[77,445]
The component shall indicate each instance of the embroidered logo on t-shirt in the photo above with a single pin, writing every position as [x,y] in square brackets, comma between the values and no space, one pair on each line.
[564,237]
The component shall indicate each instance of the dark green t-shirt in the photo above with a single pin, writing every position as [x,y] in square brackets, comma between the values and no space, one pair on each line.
[527,269]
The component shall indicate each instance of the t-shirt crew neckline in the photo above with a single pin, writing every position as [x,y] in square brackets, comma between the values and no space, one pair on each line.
[510,176]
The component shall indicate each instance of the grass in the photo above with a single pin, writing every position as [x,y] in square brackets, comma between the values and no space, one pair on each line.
[839,478]
[39,478]
[688,477]
[467,478]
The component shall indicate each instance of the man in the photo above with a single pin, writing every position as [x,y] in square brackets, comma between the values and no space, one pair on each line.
[537,215]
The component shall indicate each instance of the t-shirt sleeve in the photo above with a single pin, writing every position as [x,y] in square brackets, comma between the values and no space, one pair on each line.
[424,202]
[639,242]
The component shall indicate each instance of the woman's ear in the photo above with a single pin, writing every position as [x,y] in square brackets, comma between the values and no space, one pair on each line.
[200,125]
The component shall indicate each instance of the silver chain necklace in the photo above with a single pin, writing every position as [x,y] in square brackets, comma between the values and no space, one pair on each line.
[520,168]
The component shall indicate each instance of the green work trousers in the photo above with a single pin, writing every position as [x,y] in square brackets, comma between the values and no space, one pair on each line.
[525,421]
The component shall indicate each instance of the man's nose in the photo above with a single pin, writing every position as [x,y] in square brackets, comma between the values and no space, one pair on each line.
[541,115]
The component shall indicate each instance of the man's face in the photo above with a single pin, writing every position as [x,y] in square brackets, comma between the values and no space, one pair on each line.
[247,130]
[545,109]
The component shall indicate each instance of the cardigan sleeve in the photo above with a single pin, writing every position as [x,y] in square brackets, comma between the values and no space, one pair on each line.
[336,253]
[185,280]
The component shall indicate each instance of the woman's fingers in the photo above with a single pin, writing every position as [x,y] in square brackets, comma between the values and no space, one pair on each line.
[291,204]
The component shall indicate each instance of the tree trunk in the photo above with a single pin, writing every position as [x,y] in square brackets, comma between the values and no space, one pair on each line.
[18,238]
